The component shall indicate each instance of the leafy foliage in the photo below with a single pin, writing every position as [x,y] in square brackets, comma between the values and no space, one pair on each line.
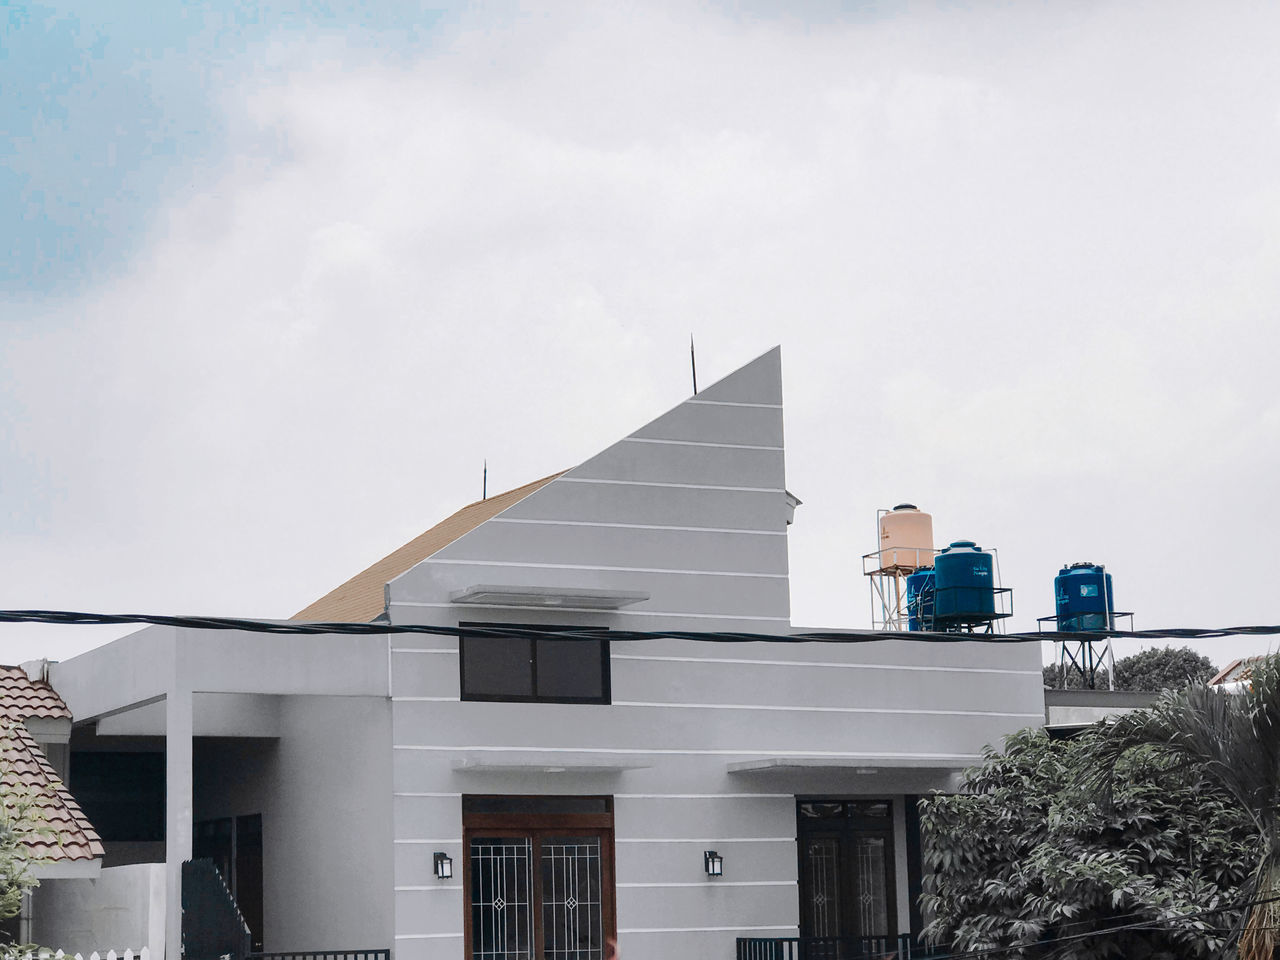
[1160,668]
[1028,853]
[20,819]
[1234,740]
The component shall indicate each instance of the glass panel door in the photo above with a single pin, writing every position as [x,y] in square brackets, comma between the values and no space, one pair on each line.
[871,882]
[847,902]
[821,884]
[539,894]
[572,907]
[501,901]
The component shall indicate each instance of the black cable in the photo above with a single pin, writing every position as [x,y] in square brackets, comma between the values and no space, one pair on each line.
[602,633]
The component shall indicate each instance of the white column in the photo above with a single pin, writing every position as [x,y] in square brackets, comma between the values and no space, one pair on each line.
[177,808]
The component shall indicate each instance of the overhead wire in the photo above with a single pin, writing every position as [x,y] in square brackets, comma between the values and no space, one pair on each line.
[378,627]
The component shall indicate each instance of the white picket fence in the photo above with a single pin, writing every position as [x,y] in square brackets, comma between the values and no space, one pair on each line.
[143,954]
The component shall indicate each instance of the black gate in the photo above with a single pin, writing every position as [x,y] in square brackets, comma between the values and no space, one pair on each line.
[211,924]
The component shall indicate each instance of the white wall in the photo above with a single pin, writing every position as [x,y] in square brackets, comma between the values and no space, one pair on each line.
[122,908]
[691,510]
[324,792]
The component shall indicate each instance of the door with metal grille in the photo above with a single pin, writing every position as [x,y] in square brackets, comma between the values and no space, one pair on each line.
[847,883]
[541,889]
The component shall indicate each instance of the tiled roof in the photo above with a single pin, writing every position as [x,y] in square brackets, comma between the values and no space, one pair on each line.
[362,599]
[22,698]
[63,832]
[1238,671]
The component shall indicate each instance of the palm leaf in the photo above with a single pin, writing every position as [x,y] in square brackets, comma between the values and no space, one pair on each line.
[1235,740]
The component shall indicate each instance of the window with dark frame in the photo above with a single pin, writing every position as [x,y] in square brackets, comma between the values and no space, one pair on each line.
[533,669]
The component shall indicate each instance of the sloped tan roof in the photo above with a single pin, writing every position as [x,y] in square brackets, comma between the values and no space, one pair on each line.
[22,698]
[361,599]
[62,831]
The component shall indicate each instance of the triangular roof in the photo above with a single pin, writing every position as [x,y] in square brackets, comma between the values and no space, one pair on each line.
[699,488]
[63,832]
[362,598]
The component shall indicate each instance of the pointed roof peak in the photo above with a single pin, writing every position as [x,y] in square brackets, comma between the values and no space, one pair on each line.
[758,381]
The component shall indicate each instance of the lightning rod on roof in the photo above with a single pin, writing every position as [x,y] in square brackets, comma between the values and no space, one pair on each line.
[484,485]
[693,363]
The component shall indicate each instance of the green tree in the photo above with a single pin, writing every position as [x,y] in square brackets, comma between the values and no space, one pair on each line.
[1163,668]
[20,822]
[1027,854]
[1160,668]
[1234,739]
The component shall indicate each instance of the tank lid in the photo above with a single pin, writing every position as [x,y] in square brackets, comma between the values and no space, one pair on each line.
[906,506]
[1077,566]
[963,543]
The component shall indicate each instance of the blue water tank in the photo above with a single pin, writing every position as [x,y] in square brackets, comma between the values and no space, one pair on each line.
[920,600]
[964,584]
[1084,598]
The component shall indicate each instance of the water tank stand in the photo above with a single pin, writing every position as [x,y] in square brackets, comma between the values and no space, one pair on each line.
[1087,657]
[888,600]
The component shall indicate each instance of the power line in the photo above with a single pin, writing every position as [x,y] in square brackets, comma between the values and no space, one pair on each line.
[66,617]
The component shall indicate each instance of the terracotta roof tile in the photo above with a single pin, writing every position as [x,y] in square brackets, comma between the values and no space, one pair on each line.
[64,832]
[362,599]
[22,698]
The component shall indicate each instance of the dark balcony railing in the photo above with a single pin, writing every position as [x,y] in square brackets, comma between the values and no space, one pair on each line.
[835,948]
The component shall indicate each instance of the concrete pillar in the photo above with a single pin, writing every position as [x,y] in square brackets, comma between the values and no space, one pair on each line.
[177,807]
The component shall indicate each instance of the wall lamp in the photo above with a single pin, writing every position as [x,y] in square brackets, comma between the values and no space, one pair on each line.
[713,863]
[443,866]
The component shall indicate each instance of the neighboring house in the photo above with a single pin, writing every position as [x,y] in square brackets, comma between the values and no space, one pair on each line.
[60,841]
[1237,675]
[577,790]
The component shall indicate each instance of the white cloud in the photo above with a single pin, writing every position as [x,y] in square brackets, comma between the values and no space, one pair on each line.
[1022,264]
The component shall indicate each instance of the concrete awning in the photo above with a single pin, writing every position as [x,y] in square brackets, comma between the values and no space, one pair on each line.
[855,764]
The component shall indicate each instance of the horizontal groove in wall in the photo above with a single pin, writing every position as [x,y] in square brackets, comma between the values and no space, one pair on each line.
[611,613]
[647,751]
[734,403]
[428,936]
[705,840]
[639,526]
[700,929]
[664,483]
[704,443]
[775,708]
[788,708]
[451,650]
[425,888]
[428,840]
[609,569]
[714,883]
[826,663]
[704,796]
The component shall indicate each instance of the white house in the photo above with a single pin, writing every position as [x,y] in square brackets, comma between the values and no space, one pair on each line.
[576,789]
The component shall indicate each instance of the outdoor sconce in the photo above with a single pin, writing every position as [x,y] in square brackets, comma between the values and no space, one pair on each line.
[713,863]
[443,866]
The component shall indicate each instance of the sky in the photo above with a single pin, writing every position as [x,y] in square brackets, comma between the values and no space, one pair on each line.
[282,276]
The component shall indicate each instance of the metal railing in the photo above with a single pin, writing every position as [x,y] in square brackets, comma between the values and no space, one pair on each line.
[835,948]
[324,955]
